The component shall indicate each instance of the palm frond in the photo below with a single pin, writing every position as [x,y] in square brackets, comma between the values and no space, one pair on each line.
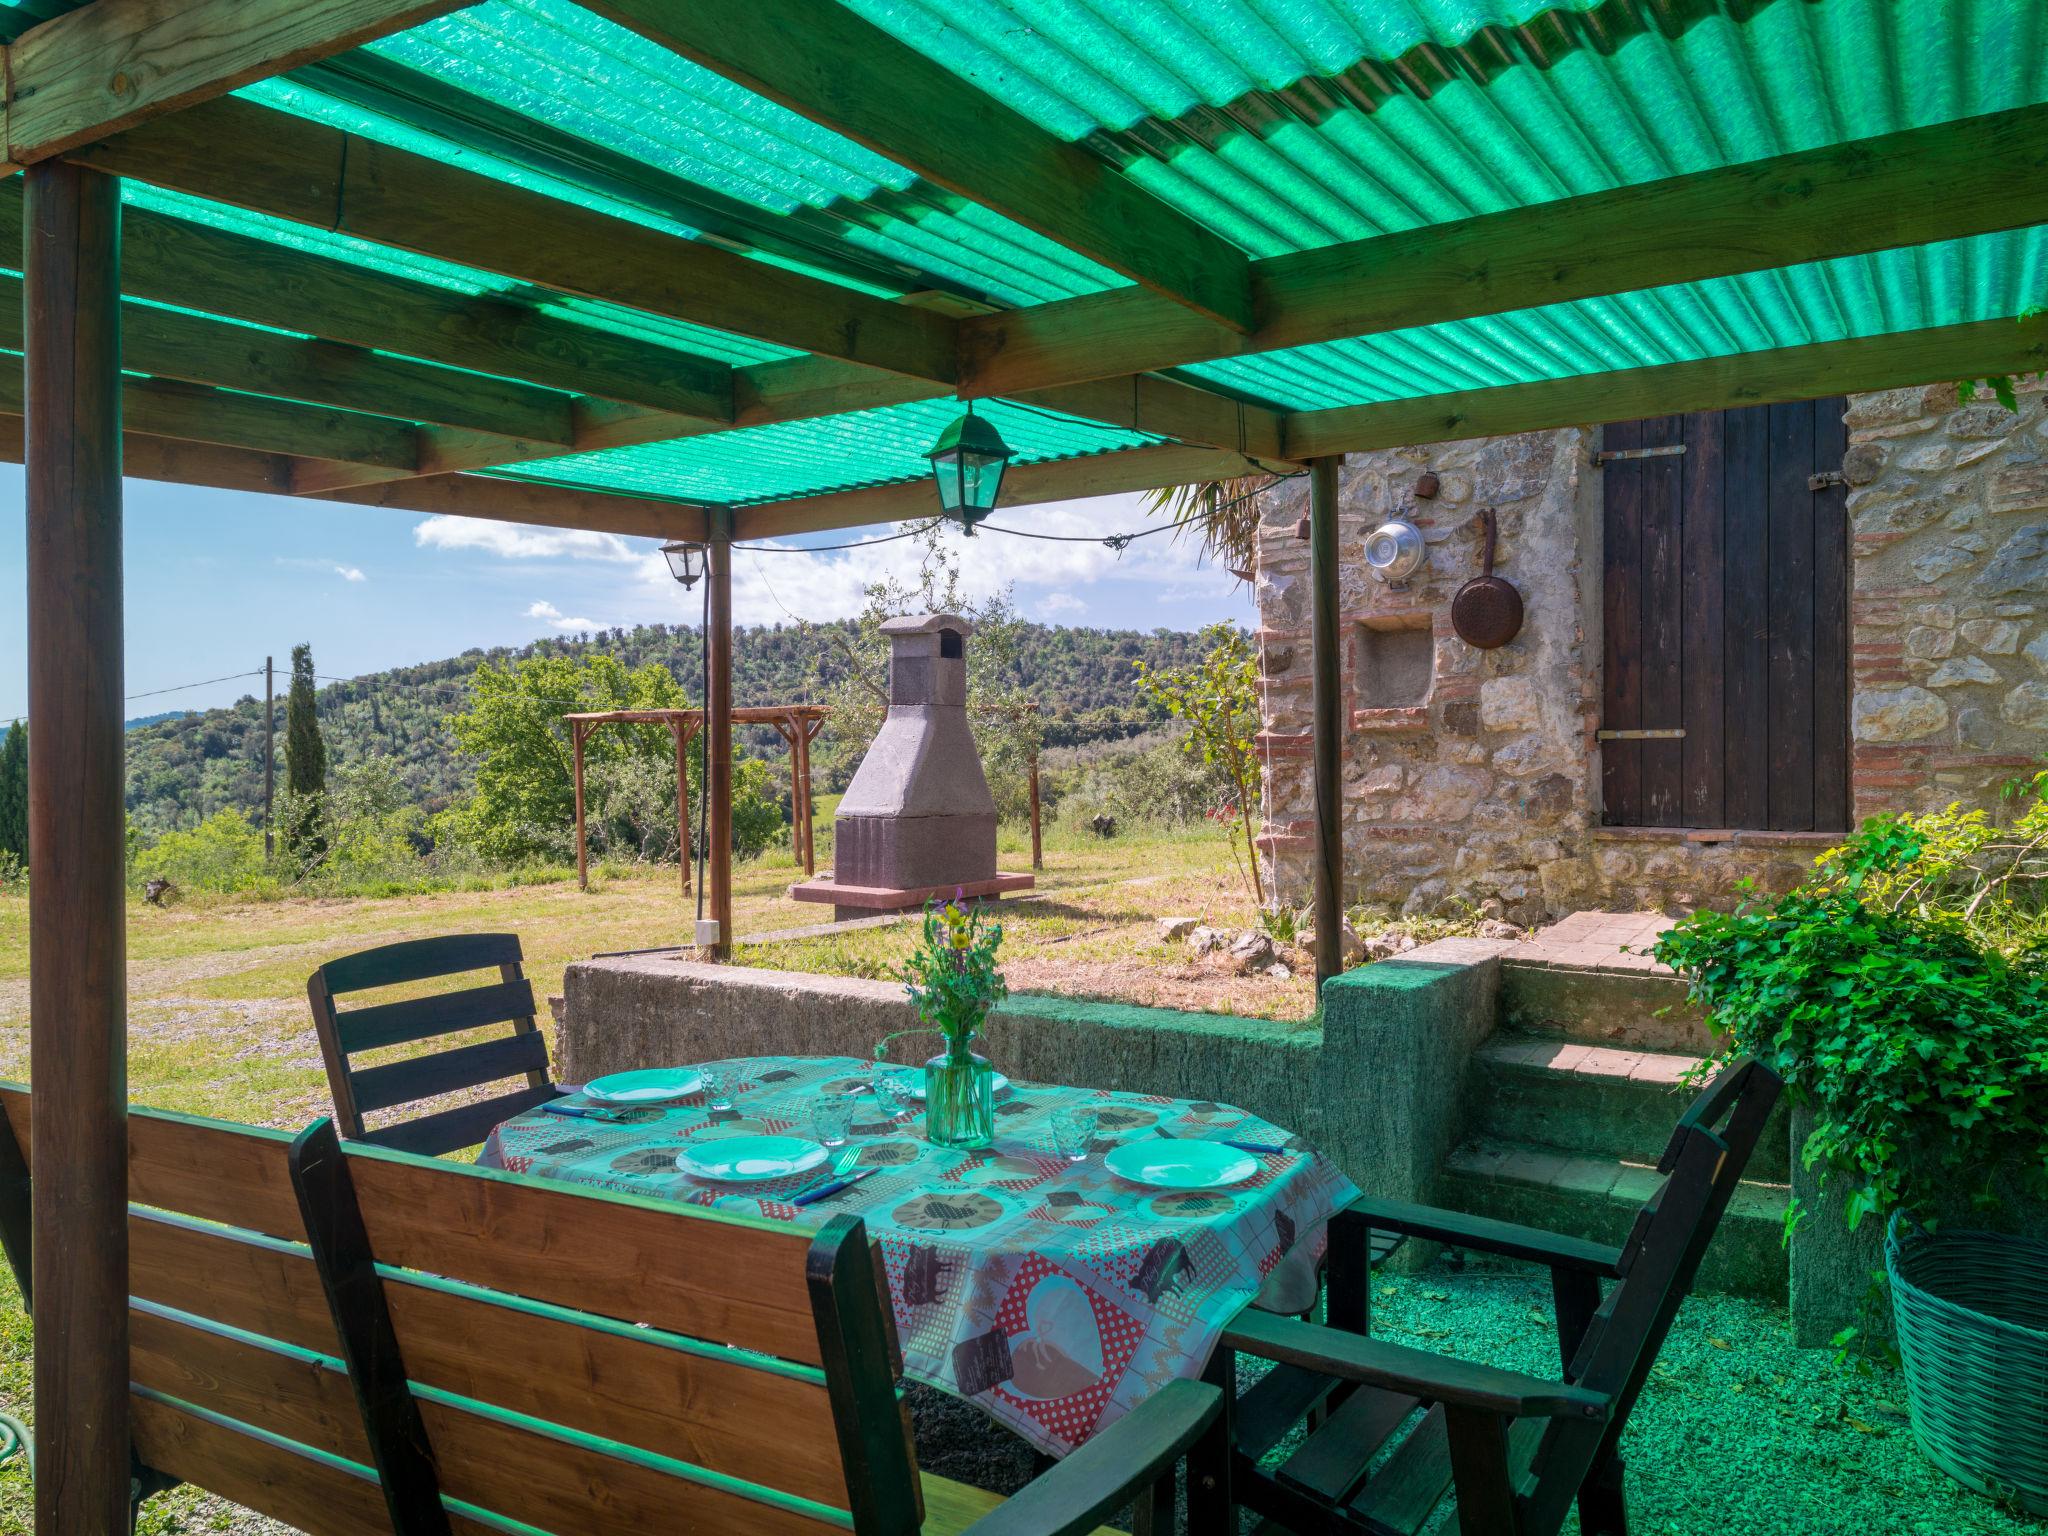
[1222,514]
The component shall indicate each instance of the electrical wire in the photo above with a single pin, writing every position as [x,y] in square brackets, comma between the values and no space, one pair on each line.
[159,692]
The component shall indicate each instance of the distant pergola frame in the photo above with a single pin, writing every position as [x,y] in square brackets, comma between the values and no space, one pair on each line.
[797,724]
[182,349]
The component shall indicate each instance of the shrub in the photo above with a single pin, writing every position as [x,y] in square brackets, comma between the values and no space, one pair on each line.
[223,853]
[1881,991]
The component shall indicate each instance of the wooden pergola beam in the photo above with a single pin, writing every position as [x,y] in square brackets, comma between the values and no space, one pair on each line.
[293,168]
[1968,177]
[1144,402]
[112,64]
[181,462]
[1132,469]
[179,261]
[1893,361]
[831,65]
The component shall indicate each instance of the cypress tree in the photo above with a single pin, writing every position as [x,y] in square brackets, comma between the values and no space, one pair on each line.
[305,756]
[14,792]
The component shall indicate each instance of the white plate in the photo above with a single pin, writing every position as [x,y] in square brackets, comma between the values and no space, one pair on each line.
[1167,1164]
[749,1159]
[652,1085]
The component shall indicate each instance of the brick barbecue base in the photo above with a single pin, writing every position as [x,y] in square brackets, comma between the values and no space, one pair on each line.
[866,900]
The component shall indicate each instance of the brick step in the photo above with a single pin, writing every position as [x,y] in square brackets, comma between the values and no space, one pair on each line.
[1628,1007]
[1597,1199]
[1593,1099]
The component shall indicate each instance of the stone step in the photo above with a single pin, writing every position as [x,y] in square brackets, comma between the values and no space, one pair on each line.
[1625,1005]
[1593,1099]
[1597,1198]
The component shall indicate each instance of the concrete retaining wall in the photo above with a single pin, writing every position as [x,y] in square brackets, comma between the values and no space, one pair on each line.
[1374,1084]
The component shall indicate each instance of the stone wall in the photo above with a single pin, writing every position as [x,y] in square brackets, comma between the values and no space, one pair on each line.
[1949,505]
[1481,786]
[1474,776]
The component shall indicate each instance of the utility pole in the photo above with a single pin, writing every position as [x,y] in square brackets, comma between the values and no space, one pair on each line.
[269,754]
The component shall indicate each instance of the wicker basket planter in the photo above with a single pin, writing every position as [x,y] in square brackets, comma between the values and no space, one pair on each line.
[1971,1311]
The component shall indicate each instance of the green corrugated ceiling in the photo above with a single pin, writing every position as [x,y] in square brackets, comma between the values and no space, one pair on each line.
[1279,124]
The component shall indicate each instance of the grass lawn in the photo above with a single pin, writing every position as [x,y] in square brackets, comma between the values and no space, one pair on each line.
[1738,1432]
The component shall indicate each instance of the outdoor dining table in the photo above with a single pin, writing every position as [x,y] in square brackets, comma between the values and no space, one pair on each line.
[1053,1294]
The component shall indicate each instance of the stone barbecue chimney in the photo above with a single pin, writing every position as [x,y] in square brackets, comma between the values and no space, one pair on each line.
[918,819]
[918,813]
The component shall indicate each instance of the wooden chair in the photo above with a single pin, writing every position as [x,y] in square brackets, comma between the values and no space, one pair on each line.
[353,1340]
[363,1090]
[1516,1449]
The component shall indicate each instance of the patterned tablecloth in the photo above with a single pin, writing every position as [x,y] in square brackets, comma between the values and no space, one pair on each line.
[1054,1295]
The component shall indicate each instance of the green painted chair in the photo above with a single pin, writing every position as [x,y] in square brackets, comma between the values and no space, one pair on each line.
[1513,1451]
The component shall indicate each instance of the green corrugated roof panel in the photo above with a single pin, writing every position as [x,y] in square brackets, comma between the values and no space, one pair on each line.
[1282,124]
[831,453]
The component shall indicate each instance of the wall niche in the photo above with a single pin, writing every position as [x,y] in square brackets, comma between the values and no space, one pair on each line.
[1396,661]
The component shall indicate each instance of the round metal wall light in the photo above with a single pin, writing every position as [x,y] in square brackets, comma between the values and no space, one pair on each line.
[1394,551]
[968,462]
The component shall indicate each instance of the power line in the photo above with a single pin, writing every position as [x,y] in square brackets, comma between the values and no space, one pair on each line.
[159,692]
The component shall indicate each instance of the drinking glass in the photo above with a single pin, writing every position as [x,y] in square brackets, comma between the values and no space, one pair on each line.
[718,1083]
[832,1119]
[1073,1130]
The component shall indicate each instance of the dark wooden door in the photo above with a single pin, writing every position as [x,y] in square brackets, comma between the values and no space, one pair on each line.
[1726,652]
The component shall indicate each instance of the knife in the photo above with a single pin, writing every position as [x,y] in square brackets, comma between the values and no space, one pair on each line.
[580,1112]
[827,1191]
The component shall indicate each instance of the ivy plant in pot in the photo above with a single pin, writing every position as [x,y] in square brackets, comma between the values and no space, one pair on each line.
[1902,993]
[952,980]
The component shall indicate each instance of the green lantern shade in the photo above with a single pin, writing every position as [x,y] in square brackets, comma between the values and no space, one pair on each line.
[968,462]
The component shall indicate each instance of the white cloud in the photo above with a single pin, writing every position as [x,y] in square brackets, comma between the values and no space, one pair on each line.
[517,541]
[1072,579]
[559,620]
[345,572]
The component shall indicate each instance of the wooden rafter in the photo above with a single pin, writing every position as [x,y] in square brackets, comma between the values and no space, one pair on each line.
[1967,177]
[1892,361]
[309,173]
[111,64]
[178,261]
[1147,403]
[170,344]
[828,63]
[180,462]
[1132,469]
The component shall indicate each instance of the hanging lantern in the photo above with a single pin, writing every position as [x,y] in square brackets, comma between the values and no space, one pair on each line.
[685,562]
[968,462]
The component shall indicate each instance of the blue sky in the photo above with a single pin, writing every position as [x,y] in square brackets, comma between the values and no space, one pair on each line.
[216,580]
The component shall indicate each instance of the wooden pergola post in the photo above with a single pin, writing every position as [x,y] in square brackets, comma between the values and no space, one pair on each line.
[682,736]
[1328,718]
[577,733]
[1037,840]
[718,727]
[77,918]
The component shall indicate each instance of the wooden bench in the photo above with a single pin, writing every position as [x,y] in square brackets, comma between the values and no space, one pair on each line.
[353,1339]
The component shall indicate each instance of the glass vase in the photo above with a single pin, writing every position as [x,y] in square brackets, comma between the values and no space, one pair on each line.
[960,1097]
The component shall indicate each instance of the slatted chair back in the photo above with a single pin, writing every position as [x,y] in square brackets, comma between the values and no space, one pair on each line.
[527,1357]
[347,1033]
[1703,1164]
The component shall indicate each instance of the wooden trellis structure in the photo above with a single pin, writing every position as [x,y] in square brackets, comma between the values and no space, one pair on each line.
[388,285]
[798,726]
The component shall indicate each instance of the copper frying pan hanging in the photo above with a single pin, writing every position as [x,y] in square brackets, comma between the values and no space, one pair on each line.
[1487,610]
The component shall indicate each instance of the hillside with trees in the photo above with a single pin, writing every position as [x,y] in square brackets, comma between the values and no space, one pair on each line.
[188,767]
